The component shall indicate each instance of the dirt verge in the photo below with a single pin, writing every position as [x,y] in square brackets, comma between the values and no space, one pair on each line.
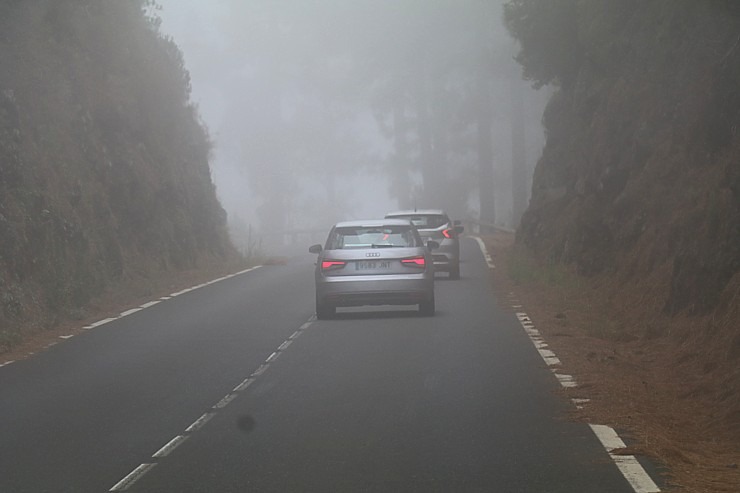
[644,373]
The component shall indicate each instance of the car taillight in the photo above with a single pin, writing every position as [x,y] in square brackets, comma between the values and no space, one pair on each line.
[414,262]
[332,264]
[448,233]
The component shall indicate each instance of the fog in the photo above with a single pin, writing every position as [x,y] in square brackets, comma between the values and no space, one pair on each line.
[333,109]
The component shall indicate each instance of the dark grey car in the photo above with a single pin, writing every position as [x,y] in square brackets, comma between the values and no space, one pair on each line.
[375,262]
[435,224]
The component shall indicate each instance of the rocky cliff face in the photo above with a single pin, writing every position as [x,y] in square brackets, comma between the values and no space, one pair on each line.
[640,177]
[103,161]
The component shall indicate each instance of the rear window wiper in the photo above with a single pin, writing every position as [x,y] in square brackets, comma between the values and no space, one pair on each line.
[376,245]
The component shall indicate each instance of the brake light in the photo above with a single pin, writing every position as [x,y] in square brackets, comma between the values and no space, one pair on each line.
[332,264]
[414,262]
[448,233]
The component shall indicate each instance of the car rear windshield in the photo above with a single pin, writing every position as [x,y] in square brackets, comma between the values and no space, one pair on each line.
[426,221]
[380,237]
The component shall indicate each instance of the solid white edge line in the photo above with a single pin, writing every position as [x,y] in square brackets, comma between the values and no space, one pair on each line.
[148,305]
[208,283]
[143,468]
[101,322]
[245,271]
[630,467]
[132,477]
[171,445]
[129,312]
[484,250]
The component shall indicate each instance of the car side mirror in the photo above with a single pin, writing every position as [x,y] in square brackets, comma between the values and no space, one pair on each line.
[432,245]
[315,249]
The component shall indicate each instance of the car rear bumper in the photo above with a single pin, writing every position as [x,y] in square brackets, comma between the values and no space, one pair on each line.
[374,290]
[444,261]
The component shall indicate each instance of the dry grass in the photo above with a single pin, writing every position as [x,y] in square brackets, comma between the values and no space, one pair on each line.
[670,385]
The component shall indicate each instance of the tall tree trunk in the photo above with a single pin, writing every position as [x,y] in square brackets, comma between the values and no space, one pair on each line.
[273,213]
[441,149]
[486,193]
[518,153]
[485,152]
[401,183]
[426,149]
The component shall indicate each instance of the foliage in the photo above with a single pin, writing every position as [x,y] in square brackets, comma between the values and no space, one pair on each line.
[548,36]
[523,269]
[639,175]
[104,170]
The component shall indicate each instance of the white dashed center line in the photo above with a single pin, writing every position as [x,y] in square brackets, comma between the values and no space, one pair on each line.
[198,424]
[133,476]
[172,445]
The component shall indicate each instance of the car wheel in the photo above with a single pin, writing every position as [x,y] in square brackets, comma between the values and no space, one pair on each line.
[455,272]
[426,308]
[325,311]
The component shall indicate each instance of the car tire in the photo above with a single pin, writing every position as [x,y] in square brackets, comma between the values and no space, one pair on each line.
[426,308]
[325,311]
[455,272]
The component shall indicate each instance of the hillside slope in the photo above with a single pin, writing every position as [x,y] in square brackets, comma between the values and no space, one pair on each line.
[638,187]
[104,172]
[639,179]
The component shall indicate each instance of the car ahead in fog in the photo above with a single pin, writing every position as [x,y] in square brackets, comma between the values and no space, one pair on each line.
[374,262]
[435,224]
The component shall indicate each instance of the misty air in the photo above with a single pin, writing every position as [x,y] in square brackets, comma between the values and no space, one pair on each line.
[370,245]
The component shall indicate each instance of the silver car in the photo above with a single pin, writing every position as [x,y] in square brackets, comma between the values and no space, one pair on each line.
[435,224]
[376,262]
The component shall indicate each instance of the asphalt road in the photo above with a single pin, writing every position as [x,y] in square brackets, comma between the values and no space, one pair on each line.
[234,387]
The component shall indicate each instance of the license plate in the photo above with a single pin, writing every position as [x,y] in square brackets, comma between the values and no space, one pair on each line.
[372,265]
